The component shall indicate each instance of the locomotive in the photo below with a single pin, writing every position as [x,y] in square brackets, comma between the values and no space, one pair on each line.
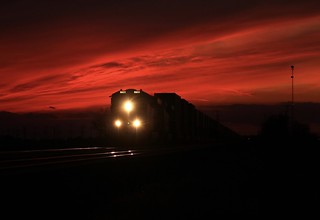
[162,118]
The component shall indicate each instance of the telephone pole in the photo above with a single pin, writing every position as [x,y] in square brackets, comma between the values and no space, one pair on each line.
[292,91]
[292,105]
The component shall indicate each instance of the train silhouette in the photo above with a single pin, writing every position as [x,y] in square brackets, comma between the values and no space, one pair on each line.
[138,117]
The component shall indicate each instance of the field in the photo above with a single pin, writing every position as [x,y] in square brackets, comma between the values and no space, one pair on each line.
[219,181]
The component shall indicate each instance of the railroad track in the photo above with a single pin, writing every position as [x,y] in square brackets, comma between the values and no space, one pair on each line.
[72,156]
[36,158]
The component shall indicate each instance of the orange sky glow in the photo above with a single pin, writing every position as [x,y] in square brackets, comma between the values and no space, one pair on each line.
[209,52]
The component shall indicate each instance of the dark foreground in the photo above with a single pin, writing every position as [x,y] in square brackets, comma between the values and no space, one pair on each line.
[220,181]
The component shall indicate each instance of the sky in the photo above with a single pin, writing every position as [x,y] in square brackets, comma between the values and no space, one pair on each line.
[75,54]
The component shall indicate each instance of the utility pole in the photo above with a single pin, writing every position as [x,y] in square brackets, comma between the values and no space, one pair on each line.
[292,105]
[292,91]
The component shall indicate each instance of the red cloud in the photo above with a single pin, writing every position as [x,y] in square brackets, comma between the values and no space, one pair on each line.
[236,55]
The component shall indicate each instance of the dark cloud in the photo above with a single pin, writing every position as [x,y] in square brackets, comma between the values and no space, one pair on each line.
[110,65]
[42,81]
[12,99]
[161,16]
[80,91]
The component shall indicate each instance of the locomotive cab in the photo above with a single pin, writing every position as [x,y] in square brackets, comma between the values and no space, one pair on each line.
[132,113]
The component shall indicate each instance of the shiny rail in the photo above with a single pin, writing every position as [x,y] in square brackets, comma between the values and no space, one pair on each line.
[32,158]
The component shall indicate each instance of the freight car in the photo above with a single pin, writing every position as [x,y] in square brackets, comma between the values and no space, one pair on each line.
[161,118]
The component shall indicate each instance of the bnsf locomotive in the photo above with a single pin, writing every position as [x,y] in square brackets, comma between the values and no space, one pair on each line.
[164,117]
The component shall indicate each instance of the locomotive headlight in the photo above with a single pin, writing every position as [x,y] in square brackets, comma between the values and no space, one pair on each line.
[128,106]
[117,123]
[137,123]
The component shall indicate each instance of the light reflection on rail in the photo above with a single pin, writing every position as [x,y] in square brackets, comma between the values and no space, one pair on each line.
[72,156]
[33,158]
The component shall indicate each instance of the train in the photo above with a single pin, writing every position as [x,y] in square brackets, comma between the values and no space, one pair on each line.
[164,118]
